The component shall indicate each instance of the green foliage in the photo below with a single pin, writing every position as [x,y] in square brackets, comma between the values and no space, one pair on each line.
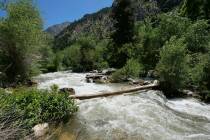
[37,106]
[85,55]
[197,37]
[47,55]
[123,16]
[167,5]
[21,37]
[172,25]
[118,55]
[172,67]
[57,61]
[72,57]
[132,69]
[54,88]
[198,63]
[100,55]
[148,45]
[123,20]
[87,49]
[196,9]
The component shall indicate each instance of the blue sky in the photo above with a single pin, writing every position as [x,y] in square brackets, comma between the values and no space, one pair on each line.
[58,11]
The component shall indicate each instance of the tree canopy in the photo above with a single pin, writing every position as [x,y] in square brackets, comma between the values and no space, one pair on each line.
[21,37]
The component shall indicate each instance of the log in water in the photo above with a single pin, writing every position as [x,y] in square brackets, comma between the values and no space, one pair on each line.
[90,96]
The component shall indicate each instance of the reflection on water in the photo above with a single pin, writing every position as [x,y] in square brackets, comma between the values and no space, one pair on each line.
[146,115]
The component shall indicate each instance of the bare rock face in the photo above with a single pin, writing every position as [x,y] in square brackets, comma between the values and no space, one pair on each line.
[71,91]
[41,130]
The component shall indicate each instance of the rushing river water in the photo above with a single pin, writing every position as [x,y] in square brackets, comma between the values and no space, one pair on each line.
[145,115]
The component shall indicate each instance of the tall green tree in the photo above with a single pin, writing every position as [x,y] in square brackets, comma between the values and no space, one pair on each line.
[173,66]
[123,19]
[21,37]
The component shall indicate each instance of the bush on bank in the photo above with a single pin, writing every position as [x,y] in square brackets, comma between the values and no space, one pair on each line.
[132,69]
[32,106]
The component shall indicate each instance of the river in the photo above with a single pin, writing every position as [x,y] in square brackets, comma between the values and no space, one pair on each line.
[145,115]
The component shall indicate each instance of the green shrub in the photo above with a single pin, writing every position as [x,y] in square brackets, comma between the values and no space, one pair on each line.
[85,55]
[148,45]
[38,106]
[72,57]
[21,37]
[118,76]
[132,69]
[173,66]
[57,62]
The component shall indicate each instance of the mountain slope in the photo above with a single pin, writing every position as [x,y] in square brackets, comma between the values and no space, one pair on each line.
[99,24]
[56,29]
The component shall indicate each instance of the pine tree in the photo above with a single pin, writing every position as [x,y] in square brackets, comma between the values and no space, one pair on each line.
[123,19]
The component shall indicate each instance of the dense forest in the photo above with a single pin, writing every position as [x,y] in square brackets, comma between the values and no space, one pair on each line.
[171,38]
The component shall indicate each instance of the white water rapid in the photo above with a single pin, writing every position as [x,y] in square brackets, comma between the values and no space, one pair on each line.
[145,115]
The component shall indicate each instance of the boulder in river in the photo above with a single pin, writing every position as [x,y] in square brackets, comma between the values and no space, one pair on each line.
[103,79]
[31,83]
[97,78]
[71,91]
[94,71]
[135,82]
[108,71]
[156,82]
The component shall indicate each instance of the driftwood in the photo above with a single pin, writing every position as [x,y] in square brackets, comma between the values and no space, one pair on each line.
[90,96]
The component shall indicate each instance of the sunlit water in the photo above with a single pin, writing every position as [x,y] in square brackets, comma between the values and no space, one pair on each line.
[76,81]
[145,115]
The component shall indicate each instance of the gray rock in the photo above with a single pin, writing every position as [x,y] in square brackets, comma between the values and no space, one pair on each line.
[135,82]
[71,91]
[40,130]
[156,82]
[94,71]
[108,71]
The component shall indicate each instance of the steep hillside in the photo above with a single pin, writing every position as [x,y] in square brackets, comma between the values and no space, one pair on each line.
[99,24]
[96,24]
[56,29]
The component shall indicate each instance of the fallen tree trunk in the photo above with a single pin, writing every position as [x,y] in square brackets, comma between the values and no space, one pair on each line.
[90,96]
